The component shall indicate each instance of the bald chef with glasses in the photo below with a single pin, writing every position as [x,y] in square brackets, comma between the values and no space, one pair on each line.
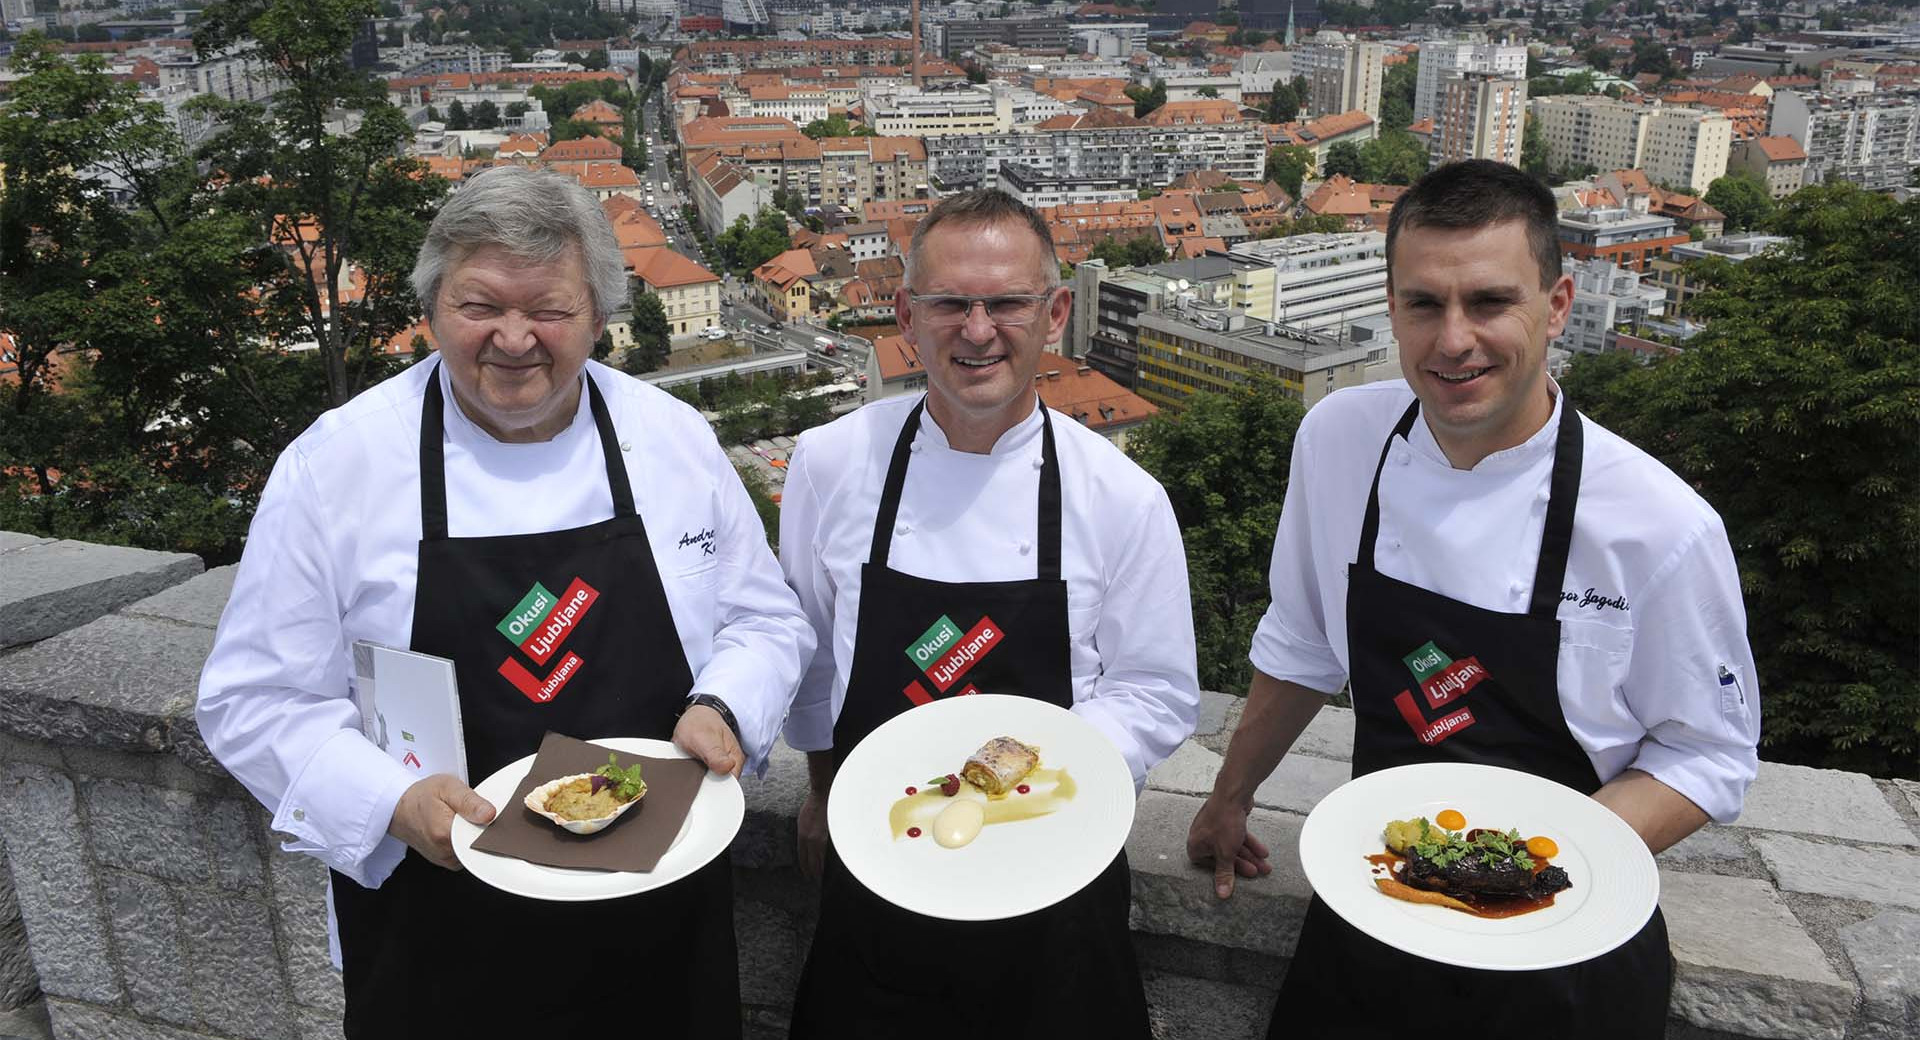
[967,502]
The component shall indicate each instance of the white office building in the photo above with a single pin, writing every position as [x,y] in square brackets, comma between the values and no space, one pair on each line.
[1592,131]
[1322,282]
[1687,148]
[1606,296]
[1438,58]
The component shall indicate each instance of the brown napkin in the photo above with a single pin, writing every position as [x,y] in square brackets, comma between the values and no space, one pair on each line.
[634,842]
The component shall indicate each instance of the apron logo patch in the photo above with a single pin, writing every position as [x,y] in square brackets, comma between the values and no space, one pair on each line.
[972,647]
[540,691]
[539,626]
[1442,680]
[945,655]
[933,643]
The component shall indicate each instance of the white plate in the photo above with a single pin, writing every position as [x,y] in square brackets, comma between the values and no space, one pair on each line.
[1615,882]
[712,821]
[1011,868]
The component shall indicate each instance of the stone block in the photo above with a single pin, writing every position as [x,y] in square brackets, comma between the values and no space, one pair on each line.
[53,880]
[1711,849]
[1826,802]
[1911,791]
[48,589]
[234,965]
[149,829]
[1184,1008]
[1299,782]
[197,601]
[1189,770]
[147,939]
[300,914]
[770,954]
[1173,896]
[1329,735]
[26,1022]
[314,1024]
[1889,876]
[118,682]
[14,541]
[19,983]
[1213,712]
[1745,964]
[234,828]
[1885,951]
[76,1021]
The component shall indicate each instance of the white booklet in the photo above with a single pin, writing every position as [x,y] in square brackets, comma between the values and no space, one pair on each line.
[410,708]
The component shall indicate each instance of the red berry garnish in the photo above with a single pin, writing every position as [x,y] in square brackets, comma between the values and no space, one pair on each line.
[950,788]
[913,832]
[912,790]
[1023,789]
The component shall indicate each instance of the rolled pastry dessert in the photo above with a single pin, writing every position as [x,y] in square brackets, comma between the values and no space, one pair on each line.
[1000,764]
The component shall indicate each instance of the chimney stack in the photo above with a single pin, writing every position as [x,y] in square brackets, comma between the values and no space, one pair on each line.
[916,44]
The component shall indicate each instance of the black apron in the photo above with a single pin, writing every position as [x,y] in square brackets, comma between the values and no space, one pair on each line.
[1437,680]
[876,970]
[433,952]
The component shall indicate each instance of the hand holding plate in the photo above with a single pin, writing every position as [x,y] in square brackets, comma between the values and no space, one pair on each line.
[423,818]
[706,736]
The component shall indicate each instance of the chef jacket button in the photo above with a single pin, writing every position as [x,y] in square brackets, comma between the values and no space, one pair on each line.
[1039,462]
[1025,548]
[299,814]
[902,528]
[915,446]
[626,445]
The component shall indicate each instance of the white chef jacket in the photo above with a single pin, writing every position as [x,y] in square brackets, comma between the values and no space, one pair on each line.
[967,517]
[332,557]
[1654,669]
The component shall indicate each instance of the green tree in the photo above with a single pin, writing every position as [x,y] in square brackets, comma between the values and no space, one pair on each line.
[1394,157]
[1146,99]
[1744,199]
[457,116]
[652,335]
[1139,251]
[1793,413]
[1650,56]
[1396,94]
[1310,224]
[329,200]
[485,116]
[1287,166]
[1600,56]
[1533,148]
[1344,158]
[1284,105]
[1208,92]
[836,126]
[745,246]
[516,109]
[1224,461]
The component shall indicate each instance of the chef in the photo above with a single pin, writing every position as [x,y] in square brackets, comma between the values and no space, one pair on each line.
[972,509]
[1500,581]
[425,513]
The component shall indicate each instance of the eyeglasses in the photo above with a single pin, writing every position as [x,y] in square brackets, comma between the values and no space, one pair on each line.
[1009,310]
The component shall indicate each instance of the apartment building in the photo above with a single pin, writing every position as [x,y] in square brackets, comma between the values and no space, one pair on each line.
[724,191]
[1438,58]
[905,112]
[1778,162]
[1592,131]
[1687,147]
[1039,188]
[735,56]
[1323,281]
[1481,116]
[1623,236]
[1201,86]
[1192,346]
[689,293]
[1606,296]
[1111,39]
[803,105]
[1872,140]
[1103,145]
[1342,74]
[1027,34]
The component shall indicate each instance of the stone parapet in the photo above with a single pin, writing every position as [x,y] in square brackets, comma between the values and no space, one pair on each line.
[144,895]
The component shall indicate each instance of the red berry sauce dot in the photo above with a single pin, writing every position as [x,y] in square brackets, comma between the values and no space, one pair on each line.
[913,832]
[1023,789]
[913,790]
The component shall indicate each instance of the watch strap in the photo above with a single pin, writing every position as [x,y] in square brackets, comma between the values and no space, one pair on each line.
[726,713]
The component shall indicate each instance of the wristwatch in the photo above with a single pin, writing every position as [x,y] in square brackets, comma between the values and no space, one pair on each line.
[726,713]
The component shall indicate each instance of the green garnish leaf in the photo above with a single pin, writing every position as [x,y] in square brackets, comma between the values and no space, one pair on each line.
[627,782]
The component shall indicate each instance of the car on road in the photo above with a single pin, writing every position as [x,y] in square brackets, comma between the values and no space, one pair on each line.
[826,345]
[714,332]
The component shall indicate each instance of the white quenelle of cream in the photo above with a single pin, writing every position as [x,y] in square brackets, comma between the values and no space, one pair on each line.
[959,823]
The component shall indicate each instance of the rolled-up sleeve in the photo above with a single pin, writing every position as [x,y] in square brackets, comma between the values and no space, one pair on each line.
[761,641]
[1290,643]
[1690,681]
[810,719]
[274,704]
[1147,696]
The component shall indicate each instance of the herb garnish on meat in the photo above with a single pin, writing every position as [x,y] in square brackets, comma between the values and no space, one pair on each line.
[626,783]
[1445,848]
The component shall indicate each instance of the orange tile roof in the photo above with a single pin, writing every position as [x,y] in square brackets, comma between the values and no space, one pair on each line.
[582,149]
[606,175]
[1206,112]
[597,111]
[1088,396]
[636,230]
[663,268]
[1780,149]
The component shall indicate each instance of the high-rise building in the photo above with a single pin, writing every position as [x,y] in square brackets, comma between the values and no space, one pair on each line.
[1592,131]
[1342,74]
[1872,140]
[1440,57]
[1481,116]
[1687,147]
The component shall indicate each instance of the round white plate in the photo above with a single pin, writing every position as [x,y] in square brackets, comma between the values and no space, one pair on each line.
[1615,883]
[1011,868]
[712,821]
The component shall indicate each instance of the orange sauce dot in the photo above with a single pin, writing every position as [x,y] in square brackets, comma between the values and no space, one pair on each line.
[1542,847]
[1451,819]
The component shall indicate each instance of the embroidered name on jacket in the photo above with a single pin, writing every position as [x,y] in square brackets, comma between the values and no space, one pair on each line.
[1442,681]
[539,627]
[945,655]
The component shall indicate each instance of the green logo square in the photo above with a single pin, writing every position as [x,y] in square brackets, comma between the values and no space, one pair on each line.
[527,615]
[1426,661]
[933,643]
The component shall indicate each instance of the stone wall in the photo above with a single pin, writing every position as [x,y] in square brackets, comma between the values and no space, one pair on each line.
[156,904]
